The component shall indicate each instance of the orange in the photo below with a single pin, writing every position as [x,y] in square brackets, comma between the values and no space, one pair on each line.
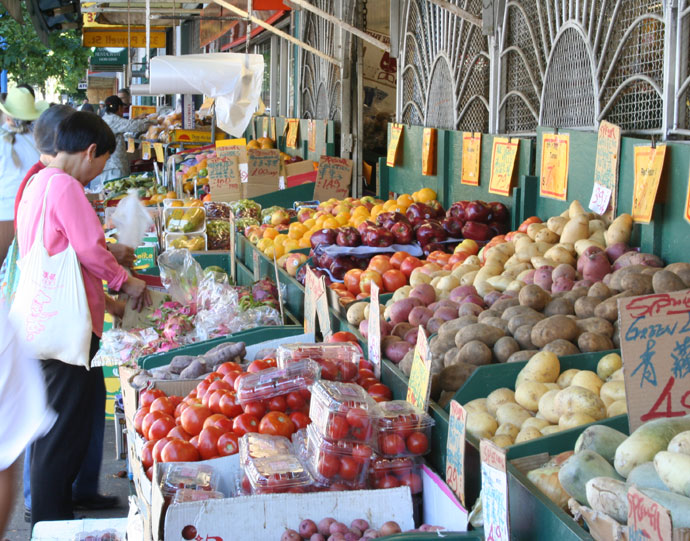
[264,243]
[308,224]
[296,230]
[253,144]
[171,195]
[290,244]
[270,233]
[425,195]
[342,218]
[360,211]
[320,220]
[405,200]
[331,223]
[388,205]
[376,210]
[280,238]
[304,242]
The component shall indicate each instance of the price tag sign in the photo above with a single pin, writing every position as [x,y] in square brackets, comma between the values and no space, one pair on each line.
[455,457]
[312,136]
[257,266]
[555,153]
[606,167]
[471,158]
[429,152]
[233,249]
[647,520]
[419,386]
[494,491]
[333,178]
[130,145]
[146,150]
[655,347]
[396,133]
[503,157]
[374,330]
[293,130]
[160,153]
[314,288]
[601,196]
[649,162]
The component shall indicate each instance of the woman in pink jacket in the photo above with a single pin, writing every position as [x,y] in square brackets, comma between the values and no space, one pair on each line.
[83,143]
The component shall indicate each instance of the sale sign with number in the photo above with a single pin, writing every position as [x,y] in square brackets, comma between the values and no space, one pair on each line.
[494,491]
[455,453]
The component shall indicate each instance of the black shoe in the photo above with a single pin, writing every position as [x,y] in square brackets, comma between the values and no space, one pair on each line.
[27,514]
[96,502]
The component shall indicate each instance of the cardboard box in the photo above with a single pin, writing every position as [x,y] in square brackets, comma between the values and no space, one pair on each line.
[145,256]
[254,189]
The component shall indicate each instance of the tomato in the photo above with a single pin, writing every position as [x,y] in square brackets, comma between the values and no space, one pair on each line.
[529,221]
[239,378]
[178,432]
[337,286]
[147,397]
[219,421]
[228,367]
[195,441]
[351,279]
[160,427]
[192,418]
[361,453]
[213,376]
[392,444]
[229,406]
[337,427]
[149,473]
[208,442]
[201,389]
[329,370]
[362,433]
[365,373]
[295,401]
[380,392]
[413,481]
[348,371]
[219,384]
[349,468]
[261,364]
[179,451]
[276,423]
[256,408]
[365,365]
[409,264]
[343,336]
[404,426]
[164,404]
[358,417]
[139,417]
[393,280]
[148,420]
[277,403]
[227,444]
[147,454]
[244,423]
[367,278]
[387,481]
[368,382]
[380,263]
[329,465]
[300,419]
[158,448]
[246,485]
[231,376]
[397,258]
[213,399]
[417,443]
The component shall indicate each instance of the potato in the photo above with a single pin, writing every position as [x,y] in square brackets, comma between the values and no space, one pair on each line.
[551,429]
[608,364]
[450,357]
[508,429]
[556,224]
[355,313]
[534,422]
[496,322]
[534,297]
[616,376]
[478,331]
[529,393]
[474,352]
[504,348]
[552,386]
[577,228]
[543,367]
[571,420]
[600,289]
[547,408]
[612,391]
[453,377]
[503,305]
[639,284]
[522,356]
[523,336]
[619,230]
[608,309]
[502,440]
[591,341]
[560,306]
[585,306]
[619,407]
[588,380]
[451,328]
[565,379]
[511,412]
[552,328]
[499,397]
[575,399]
[533,229]
[481,424]
[596,325]
[682,270]
[512,311]
[525,318]
[529,433]
[561,348]
[477,405]
[546,235]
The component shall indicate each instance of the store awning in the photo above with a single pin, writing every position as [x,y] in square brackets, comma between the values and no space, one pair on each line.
[122,13]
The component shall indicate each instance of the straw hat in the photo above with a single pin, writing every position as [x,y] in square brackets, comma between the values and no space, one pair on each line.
[20,104]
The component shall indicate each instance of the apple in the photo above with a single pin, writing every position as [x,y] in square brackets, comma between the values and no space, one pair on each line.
[417,213]
[402,231]
[280,217]
[293,261]
[498,228]
[378,237]
[453,226]
[437,208]
[348,236]
[364,226]
[430,231]
[478,211]
[340,266]
[323,236]
[499,212]
[304,214]
[476,231]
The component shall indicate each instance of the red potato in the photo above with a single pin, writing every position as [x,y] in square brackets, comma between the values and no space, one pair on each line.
[528,278]
[564,270]
[400,310]
[411,335]
[307,528]
[542,277]
[490,298]
[563,283]
[290,535]
[471,309]
[460,292]
[444,303]
[595,265]
[400,329]
[420,315]
[324,525]
[446,313]
[397,350]
[424,292]
[588,252]
[616,250]
[433,325]
[474,299]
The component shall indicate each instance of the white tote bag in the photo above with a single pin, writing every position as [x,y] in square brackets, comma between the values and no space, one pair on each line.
[50,310]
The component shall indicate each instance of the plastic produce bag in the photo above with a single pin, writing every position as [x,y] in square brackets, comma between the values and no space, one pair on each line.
[131,219]
[119,347]
[181,275]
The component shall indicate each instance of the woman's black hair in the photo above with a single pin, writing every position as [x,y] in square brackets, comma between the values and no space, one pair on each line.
[113,104]
[45,128]
[80,130]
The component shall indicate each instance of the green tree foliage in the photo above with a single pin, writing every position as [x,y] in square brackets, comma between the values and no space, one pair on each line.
[27,60]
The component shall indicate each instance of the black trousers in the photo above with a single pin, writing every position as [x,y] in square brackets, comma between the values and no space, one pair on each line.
[72,392]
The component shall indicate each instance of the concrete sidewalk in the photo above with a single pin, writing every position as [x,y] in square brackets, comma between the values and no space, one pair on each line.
[111,484]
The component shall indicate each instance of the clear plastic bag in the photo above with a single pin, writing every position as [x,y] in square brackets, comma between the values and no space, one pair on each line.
[181,275]
[131,219]
[119,347]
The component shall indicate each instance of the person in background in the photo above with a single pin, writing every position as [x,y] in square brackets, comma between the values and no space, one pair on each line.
[126,98]
[17,154]
[24,412]
[83,144]
[86,106]
[101,108]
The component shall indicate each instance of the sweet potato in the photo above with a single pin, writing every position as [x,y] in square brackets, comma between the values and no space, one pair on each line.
[225,352]
[196,369]
[552,328]
[180,362]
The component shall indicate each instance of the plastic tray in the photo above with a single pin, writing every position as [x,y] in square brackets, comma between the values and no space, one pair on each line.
[170,237]
[402,429]
[343,464]
[339,361]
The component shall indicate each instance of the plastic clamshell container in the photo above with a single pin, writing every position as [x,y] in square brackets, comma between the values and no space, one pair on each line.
[402,429]
[265,384]
[168,203]
[174,225]
[189,495]
[395,472]
[171,237]
[255,445]
[216,210]
[338,361]
[343,411]
[275,474]
[341,463]
[181,475]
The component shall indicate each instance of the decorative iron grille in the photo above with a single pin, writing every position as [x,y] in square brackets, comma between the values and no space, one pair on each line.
[681,124]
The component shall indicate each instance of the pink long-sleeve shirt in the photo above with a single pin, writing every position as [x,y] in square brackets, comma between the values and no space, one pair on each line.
[70,219]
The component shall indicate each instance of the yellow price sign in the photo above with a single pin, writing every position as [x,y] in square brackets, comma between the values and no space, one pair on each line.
[146,150]
[471,157]
[419,386]
[503,156]
[687,203]
[396,132]
[649,163]
[264,126]
[312,136]
[555,154]
[130,145]
[293,130]
[160,153]
[429,152]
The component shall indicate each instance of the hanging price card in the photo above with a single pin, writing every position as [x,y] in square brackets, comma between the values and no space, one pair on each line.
[333,179]
[256,265]
[647,520]
[687,204]
[293,129]
[160,153]
[494,491]
[471,157]
[555,153]
[502,163]
[396,133]
[429,152]
[312,136]
[273,128]
[280,293]
[146,150]
[455,458]
[649,162]
[606,168]
[419,386]
[374,330]
[130,145]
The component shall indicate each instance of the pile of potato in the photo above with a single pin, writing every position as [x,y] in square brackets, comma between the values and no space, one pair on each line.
[546,401]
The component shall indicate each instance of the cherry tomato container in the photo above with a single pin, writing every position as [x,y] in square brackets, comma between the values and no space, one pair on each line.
[396,472]
[402,429]
[188,475]
[338,361]
[276,474]
[343,412]
[255,445]
[188,495]
[338,465]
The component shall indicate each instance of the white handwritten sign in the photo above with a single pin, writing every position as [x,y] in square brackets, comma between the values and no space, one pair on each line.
[333,179]
[647,520]
[455,452]
[374,330]
[601,196]
[494,491]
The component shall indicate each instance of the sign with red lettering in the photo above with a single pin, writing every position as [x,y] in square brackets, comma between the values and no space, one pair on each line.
[455,450]
[655,347]
[374,334]
[264,171]
[494,491]
[333,179]
[647,520]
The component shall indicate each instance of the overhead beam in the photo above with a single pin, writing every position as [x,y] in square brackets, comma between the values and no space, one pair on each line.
[274,30]
[108,9]
[458,11]
[345,26]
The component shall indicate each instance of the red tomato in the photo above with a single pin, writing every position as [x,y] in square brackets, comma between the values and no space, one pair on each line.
[417,443]
[178,432]
[147,454]
[365,373]
[213,376]
[404,426]
[300,419]
[160,427]
[380,392]
[329,465]
[239,378]
[367,278]
[358,417]
[208,442]
[219,421]
[228,367]
[529,221]
[409,264]
[229,406]
[149,473]
[164,404]
[397,258]
[337,427]
[387,481]
[351,279]
[380,263]
[329,370]
[413,481]
[260,364]
[219,384]
[148,420]
[349,468]
[343,336]
[362,434]
[368,382]
[195,441]
[295,401]
[365,365]
[392,444]
[158,448]
[139,417]
[230,377]
[147,397]
[277,403]
[276,423]
[348,371]
[361,453]
[256,408]
[192,418]
[201,389]
[393,280]
[245,423]
[179,451]
[227,444]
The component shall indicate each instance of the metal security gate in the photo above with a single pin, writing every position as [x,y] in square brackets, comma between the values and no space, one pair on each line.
[681,98]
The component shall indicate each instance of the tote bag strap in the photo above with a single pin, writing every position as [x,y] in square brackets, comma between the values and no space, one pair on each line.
[41,221]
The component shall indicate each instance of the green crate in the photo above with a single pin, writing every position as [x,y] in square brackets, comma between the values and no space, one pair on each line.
[249,337]
[475,535]
[285,198]
[205,259]
[294,297]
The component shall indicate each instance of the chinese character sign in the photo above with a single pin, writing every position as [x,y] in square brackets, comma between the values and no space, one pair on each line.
[333,178]
[649,162]
[606,168]
[555,154]
[396,133]
[647,520]
[471,158]
[503,157]
[419,386]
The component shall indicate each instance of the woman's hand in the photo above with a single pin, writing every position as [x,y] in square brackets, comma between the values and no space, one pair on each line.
[123,254]
[115,307]
[136,289]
